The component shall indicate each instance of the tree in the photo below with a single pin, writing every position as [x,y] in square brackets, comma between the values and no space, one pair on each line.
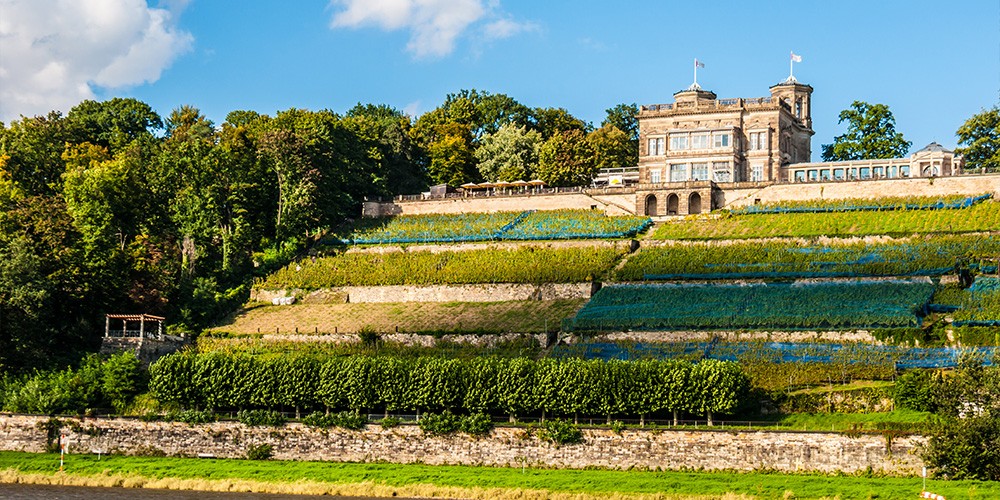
[624,117]
[612,148]
[510,154]
[451,156]
[980,137]
[552,121]
[871,133]
[566,159]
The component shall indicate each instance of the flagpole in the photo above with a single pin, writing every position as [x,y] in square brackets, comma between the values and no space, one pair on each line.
[791,63]
[696,71]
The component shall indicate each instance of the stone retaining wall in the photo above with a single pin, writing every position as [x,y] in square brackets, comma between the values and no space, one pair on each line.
[643,449]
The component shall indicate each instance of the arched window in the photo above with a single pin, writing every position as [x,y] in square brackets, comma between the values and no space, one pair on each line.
[651,205]
[694,203]
[672,203]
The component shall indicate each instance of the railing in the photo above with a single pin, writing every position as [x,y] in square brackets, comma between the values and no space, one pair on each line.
[134,334]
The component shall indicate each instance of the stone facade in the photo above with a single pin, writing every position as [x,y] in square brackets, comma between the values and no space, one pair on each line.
[716,449]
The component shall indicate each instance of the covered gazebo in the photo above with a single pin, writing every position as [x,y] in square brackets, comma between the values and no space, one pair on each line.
[133,325]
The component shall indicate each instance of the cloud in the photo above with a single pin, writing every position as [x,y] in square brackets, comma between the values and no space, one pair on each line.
[56,52]
[434,25]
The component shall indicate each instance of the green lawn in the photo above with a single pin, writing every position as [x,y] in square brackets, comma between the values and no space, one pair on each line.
[594,482]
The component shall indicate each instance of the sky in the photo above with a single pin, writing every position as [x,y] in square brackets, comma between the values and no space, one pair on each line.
[933,63]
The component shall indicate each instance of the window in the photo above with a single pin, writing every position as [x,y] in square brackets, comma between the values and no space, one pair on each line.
[678,172]
[904,170]
[878,172]
[852,173]
[757,172]
[798,108]
[654,176]
[838,174]
[721,140]
[813,175]
[800,176]
[721,172]
[655,147]
[699,171]
[678,142]
[699,141]
[758,141]
[824,174]
[866,173]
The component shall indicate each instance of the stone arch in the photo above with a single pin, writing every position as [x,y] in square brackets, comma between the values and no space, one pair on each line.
[651,205]
[673,204]
[694,203]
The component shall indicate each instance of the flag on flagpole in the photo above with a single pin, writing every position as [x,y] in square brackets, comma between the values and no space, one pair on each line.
[796,57]
[698,64]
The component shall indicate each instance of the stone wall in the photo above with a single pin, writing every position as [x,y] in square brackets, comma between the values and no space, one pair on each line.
[643,449]
[497,292]
[729,195]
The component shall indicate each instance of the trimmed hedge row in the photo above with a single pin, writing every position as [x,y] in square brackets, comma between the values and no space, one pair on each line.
[496,386]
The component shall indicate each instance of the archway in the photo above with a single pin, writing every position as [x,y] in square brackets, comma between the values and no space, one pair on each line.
[694,203]
[672,204]
[651,205]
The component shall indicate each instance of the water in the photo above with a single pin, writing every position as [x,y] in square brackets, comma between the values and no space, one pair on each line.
[49,492]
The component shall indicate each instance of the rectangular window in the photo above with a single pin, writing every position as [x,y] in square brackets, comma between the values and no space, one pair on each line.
[655,147]
[866,173]
[800,176]
[892,172]
[838,174]
[654,176]
[721,140]
[699,141]
[904,170]
[721,172]
[813,175]
[699,171]
[757,173]
[678,142]
[878,172]
[758,141]
[678,172]
[824,174]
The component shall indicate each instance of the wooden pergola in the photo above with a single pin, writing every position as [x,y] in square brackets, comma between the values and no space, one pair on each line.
[149,326]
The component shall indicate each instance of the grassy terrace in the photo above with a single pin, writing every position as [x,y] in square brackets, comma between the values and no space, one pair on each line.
[981,217]
[924,255]
[527,264]
[530,316]
[462,481]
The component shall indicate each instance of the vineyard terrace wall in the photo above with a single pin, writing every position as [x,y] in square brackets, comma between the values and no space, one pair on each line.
[506,446]
[729,195]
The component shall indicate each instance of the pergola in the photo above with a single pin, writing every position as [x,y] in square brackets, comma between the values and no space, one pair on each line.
[134,325]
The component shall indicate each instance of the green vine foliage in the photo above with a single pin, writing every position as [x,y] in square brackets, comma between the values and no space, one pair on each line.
[491,386]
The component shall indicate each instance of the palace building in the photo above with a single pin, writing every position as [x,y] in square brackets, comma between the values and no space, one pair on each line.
[692,150]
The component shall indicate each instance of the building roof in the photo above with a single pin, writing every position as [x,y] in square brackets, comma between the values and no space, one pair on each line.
[933,147]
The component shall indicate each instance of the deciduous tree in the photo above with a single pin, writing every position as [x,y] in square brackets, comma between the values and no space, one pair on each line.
[980,140]
[871,133]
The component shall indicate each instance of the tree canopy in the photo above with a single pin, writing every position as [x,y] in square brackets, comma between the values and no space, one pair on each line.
[979,138]
[871,133]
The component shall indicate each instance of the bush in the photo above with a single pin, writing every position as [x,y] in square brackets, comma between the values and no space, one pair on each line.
[914,390]
[191,417]
[345,419]
[254,418]
[260,452]
[477,424]
[320,420]
[390,422]
[439,423]
[560,432]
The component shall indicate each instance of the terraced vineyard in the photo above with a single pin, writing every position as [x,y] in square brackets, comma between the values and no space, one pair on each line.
[829,305]
[526,264]
[783,259]
[867,204]
[981,217]
[528,225]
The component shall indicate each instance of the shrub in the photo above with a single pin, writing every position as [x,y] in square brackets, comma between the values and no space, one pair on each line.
[560,432]
[320,420]
[477,424]
[260,452]
[261,418]
[914,390]
[191,417]
[350,420]
[390,422]
[439,423]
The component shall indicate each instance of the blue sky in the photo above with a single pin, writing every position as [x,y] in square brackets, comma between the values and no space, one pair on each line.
[934,63]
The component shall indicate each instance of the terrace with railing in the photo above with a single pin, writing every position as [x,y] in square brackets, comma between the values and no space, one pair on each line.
[733,103]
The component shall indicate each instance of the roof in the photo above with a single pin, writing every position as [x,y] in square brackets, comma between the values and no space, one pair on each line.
[135,317]
[933,147]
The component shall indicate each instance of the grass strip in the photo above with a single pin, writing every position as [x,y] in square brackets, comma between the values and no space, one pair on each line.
[490,482]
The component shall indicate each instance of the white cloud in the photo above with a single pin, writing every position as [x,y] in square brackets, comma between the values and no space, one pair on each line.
[434,25]
[53,53]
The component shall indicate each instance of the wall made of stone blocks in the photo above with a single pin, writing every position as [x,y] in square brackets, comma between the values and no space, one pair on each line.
[497,292]
[632,448]
[612,204]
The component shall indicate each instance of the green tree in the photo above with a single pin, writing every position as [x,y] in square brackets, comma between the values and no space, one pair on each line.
[980,140]
[553,121]
[871,133]
[624,117]
[114,123]
[566,159]
[451,156]
[510,154]
[612,148]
